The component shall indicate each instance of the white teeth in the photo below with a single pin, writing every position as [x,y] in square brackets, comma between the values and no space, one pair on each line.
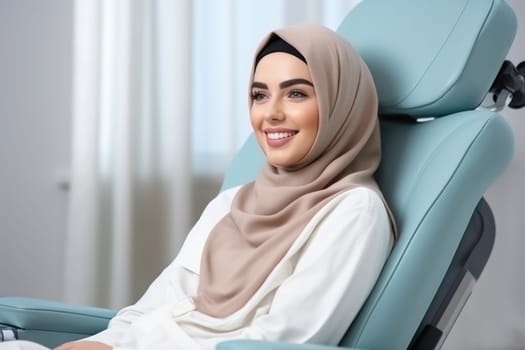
[279,135]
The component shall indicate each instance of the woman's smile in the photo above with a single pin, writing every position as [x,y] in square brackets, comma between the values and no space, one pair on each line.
[277,137]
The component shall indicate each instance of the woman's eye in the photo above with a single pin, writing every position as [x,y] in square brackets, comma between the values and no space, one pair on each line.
[296,94]
[258,96]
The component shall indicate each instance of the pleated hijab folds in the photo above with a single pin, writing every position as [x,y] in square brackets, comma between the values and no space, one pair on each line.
[267,215]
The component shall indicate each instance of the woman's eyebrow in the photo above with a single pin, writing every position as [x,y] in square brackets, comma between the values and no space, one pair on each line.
[296,81]
[259,85]
[284,84]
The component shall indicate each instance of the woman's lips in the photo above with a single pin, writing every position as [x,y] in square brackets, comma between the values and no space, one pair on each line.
[279,138]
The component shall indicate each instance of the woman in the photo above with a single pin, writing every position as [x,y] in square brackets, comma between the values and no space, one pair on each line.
[293,255]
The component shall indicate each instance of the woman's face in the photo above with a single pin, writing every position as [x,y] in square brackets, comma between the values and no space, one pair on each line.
[284,113]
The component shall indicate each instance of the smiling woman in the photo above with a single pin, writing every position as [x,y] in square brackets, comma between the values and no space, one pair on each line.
[262,251]
[330,148]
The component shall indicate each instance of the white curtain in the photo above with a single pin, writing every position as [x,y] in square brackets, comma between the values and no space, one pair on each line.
[160,103]
[131,173]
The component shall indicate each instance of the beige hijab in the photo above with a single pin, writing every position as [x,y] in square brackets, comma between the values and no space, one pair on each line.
[267,215]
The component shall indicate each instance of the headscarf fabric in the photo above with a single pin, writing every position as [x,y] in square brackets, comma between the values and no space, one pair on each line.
[268,214]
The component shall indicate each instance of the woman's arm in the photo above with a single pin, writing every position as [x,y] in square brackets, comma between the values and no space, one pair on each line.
[176,282]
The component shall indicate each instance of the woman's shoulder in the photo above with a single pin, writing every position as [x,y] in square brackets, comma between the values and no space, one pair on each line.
[356,214]
[357,211]
[360,210]
[358,198]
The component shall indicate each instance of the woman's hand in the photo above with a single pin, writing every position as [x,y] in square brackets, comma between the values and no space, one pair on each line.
[84,345]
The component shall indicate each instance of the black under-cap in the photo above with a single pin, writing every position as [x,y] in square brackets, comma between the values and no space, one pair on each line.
[276,44]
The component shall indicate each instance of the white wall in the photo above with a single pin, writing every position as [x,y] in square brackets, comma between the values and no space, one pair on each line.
[35,123]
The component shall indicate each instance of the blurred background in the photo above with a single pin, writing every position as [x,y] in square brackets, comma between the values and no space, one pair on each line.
[117,121]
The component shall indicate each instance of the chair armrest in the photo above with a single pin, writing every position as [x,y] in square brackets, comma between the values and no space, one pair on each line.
[266,345]
[51,322]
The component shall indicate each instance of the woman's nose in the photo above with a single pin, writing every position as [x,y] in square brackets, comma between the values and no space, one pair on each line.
[274,111]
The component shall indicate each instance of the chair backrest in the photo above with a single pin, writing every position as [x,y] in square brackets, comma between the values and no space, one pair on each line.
[429,58]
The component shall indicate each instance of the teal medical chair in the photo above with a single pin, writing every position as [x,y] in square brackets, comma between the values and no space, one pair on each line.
[434,62]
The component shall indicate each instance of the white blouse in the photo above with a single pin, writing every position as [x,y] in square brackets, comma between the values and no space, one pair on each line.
[311,296]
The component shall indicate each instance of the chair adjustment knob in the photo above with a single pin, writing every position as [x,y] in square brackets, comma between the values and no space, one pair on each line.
[510,81]
[518,96]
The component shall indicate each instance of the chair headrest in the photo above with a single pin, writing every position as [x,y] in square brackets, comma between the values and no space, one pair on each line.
[442,59]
